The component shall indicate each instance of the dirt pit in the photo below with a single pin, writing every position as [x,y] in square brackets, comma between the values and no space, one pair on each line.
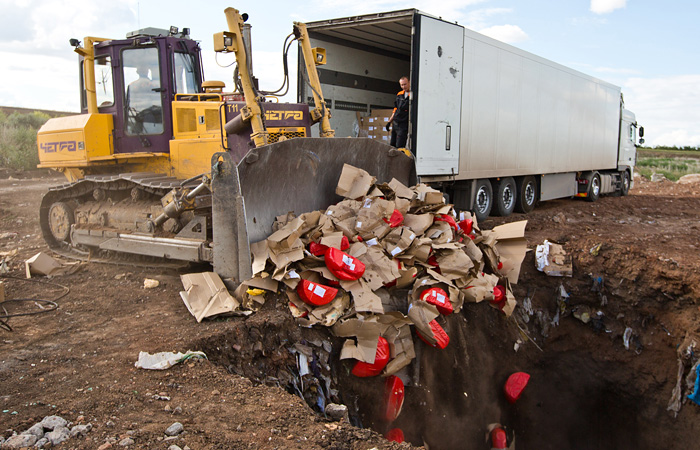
[635,268]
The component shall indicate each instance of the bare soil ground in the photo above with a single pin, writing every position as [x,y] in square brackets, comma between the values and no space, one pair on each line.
[587,390]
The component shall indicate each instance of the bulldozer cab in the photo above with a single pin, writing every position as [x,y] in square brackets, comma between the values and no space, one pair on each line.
[136,80]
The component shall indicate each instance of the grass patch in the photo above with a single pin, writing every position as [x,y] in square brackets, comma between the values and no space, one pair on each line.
[18,139]
[671,167]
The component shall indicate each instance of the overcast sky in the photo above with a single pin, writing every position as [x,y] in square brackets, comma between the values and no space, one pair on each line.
[648,47]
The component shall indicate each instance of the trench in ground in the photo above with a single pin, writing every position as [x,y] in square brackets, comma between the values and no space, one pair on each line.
[586,390]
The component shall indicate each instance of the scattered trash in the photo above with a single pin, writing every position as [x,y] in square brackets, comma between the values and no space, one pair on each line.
[595,249]
[150,283]
[43,264]
[626,337]
[165,360]
[515,385]
[205,295]
[551,259]
[695,396]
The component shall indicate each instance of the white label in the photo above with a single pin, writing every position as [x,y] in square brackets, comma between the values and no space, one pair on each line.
[329,212]
[367,203]
[441,298]
[372,242]
[358,225]
[395,251]
[348,262]
[293,274]
[318,290]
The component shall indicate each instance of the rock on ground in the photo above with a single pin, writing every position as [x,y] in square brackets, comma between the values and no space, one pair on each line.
[19,441]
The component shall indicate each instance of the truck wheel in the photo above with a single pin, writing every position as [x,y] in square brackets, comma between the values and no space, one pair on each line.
[594,188]
[505,195]
[483,200]
[624,182]
[527,195]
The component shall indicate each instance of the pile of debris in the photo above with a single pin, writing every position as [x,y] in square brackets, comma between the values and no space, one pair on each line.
[383,260]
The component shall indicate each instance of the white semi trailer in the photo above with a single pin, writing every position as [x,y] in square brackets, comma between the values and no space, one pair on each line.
[496,128]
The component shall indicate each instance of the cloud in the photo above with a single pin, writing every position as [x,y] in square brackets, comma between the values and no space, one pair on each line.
[668,108]
[510,34]
[607,6]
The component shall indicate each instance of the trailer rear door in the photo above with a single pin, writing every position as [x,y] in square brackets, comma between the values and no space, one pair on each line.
[437,85]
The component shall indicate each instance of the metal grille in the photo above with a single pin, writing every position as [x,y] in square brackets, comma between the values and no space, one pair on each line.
[275,136]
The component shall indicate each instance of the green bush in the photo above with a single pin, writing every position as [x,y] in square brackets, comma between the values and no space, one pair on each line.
[18,139]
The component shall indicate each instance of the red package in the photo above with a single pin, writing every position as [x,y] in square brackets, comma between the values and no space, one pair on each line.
[515,385]
[441,337]
[395,435]
[499,296]
[395,220]
[381,359]
[393,397]
[446,218]
[315,294]
[344,266]
[439,298]
[467,225]
[498,439]
[432,260]
[317,249]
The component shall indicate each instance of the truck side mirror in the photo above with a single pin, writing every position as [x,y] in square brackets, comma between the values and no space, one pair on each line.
[641,131]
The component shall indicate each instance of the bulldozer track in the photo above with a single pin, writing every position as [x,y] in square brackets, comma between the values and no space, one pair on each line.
[58,197]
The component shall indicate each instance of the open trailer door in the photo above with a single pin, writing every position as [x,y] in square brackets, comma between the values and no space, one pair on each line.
[438,48]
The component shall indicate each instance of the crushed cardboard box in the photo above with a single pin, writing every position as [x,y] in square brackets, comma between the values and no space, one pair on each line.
[551,259]
[205,295]
[43,264]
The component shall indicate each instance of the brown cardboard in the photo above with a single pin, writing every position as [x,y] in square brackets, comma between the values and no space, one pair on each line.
[326,315]
[480,288]
[402,191]
[428,196]
[260,253]
[440,233]
[453,263]
[364,299]
[418,223]
[2,291]
[421,314]
[398,240]
[43,264]
[205,295]
[366,332]
[395,328]
[370,218]
[512,247]
[354,182]
[379,269]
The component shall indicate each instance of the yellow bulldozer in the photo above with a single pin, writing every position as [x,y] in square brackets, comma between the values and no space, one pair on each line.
[163,164]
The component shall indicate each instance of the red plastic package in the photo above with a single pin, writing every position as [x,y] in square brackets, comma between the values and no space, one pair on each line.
[395,435]
[515,385]
[315,294]
[381,359]
[446,218]
[499,296]
[498,439]
[395,220]
[317,249]
[467,225]
[393,397]
[344,266]
[439,298]
[442,338]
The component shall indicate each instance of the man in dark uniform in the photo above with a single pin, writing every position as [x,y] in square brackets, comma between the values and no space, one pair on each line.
[398,122]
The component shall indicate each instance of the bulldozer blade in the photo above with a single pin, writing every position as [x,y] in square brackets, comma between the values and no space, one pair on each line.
[298,175]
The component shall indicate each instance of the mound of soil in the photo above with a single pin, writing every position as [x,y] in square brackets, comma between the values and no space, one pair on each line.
[635,267]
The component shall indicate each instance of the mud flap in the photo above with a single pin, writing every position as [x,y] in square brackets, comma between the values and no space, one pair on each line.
[298,175]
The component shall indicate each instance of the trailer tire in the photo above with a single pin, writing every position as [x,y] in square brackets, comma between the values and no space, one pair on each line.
[527,194]
[594,188]
[483,199]
[624,183]
[505,194]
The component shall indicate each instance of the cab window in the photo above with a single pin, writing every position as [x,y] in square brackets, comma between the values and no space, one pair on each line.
[103,81]
[143,102]
[185,79]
